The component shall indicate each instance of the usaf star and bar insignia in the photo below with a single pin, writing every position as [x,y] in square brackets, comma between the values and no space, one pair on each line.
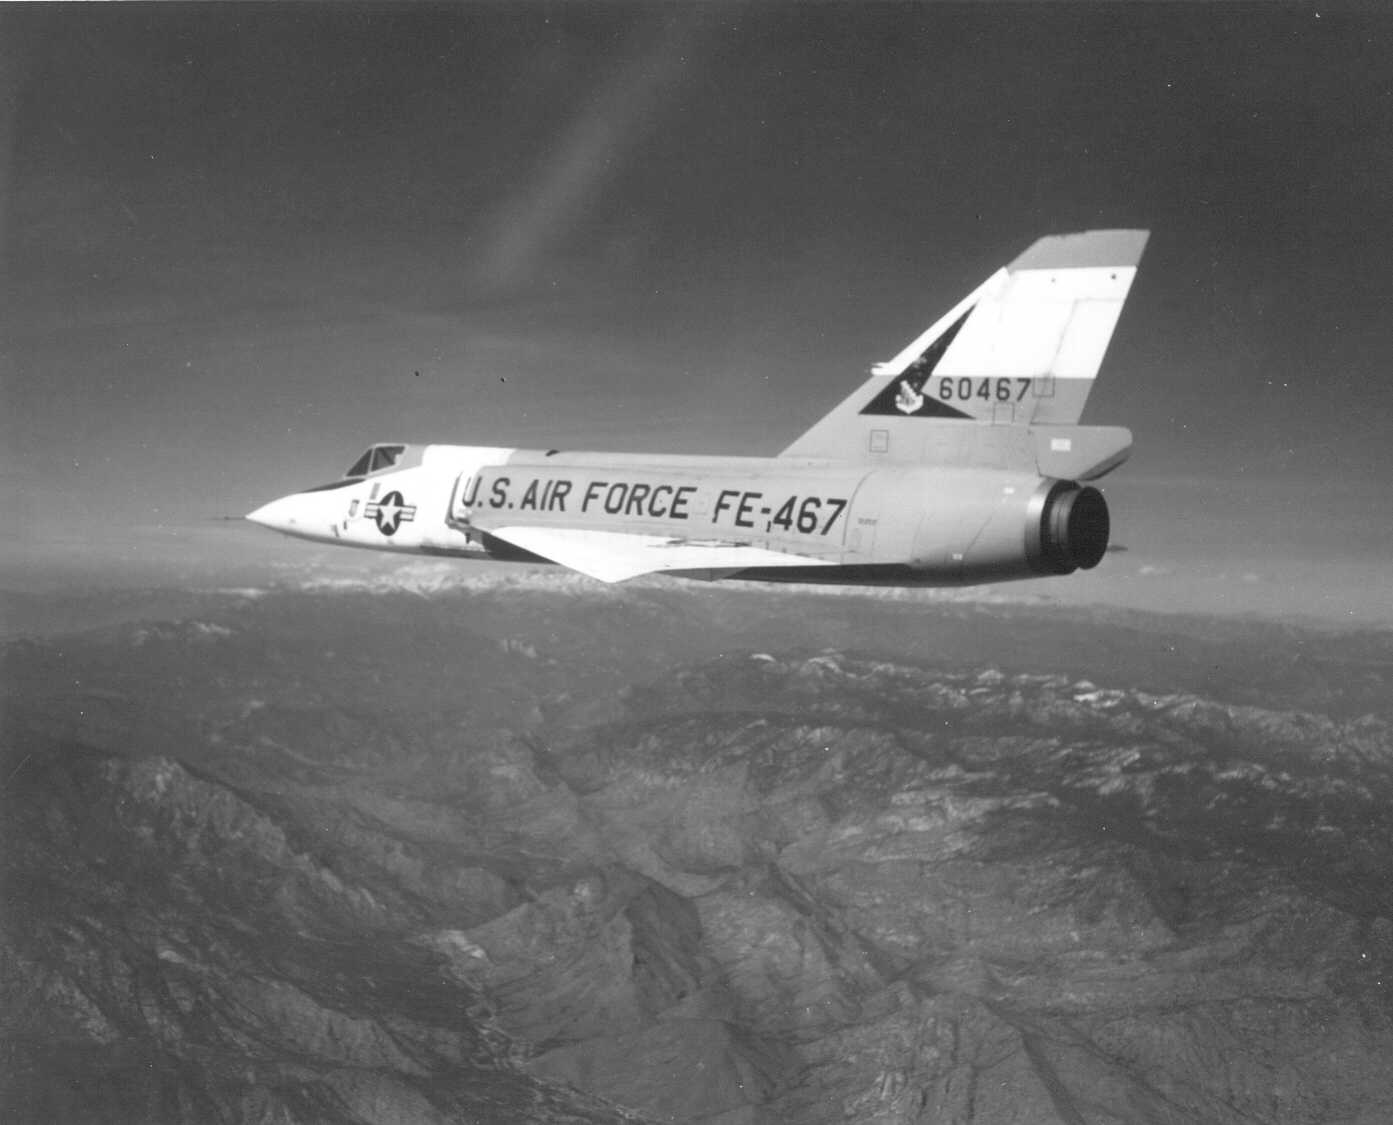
[390,512]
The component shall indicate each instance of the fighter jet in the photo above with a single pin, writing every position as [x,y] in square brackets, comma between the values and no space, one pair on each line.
[959,461]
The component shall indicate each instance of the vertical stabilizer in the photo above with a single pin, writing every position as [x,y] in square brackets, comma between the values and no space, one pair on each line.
[1022,349]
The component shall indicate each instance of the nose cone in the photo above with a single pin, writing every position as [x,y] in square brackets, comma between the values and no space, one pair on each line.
[290,514]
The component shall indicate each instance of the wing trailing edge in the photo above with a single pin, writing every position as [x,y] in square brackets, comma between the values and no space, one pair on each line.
[613,556]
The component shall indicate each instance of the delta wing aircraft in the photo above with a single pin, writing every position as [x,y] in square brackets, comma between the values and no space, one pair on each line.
[959,461]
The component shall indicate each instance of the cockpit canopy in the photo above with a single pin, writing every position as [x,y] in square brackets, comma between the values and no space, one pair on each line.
[378,457]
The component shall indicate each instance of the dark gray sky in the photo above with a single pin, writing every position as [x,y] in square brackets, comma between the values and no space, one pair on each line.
[232,235]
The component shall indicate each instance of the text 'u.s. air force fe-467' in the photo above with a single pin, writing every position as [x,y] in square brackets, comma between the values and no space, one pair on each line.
[959,461]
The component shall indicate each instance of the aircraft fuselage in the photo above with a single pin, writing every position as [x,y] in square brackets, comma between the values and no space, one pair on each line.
[955,462]
[863,524]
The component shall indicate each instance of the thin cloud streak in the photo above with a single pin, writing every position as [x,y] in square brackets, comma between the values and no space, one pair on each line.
[607,129]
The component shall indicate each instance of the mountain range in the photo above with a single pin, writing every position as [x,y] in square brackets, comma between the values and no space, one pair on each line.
[544,851]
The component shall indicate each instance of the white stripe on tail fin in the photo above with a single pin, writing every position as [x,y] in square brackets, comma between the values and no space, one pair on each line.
[1022,349]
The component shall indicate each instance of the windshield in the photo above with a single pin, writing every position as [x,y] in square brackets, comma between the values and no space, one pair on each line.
[378,457]
[385,456]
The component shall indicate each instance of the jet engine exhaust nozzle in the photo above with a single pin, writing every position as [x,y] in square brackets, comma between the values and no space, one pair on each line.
[1074,529]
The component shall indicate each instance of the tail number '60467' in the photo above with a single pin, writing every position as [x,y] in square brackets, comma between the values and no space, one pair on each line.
[988,390]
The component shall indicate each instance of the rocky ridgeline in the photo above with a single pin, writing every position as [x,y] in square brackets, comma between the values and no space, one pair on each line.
[1008,898]
[760,888]
[172,953]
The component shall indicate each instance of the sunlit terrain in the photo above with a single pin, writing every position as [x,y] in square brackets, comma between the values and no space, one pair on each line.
[524,848]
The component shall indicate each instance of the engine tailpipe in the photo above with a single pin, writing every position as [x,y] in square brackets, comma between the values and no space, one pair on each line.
[1071,530]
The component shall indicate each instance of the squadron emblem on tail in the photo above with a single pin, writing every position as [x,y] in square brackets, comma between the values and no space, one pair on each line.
[908,399]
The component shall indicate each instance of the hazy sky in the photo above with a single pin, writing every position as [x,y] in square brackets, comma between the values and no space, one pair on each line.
[232,235]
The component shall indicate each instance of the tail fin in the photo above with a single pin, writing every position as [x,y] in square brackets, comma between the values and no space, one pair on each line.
[1022,349]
